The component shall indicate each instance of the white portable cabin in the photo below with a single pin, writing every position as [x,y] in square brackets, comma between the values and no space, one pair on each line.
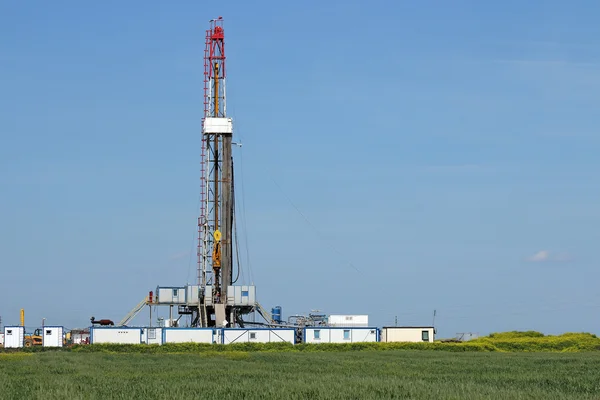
[1,339]
[189,335]
[152,335]
[14,337]
[348,320]
[258,335]
[171,295]
[349,334]
[52,336]
[115,335]
[407,334]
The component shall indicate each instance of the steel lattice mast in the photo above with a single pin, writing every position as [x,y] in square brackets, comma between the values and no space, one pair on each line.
[216,213]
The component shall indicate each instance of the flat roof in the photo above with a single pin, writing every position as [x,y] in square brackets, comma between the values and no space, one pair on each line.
[408,327]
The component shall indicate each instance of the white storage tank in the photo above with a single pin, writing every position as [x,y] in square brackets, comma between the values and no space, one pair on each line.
[408,334]
[258,335]
[52,336]
[341,334]
[188,335]
[14,337]
[170,295]
[348,320]
[115,335]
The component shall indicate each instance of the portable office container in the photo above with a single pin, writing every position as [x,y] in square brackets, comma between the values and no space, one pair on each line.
[115,335]
[340,334]
[52,336]
[189,335]
[258,335]
[14,337]
[407,334]
[170,295]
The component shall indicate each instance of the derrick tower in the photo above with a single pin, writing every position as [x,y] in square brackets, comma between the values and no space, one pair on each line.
[215,224]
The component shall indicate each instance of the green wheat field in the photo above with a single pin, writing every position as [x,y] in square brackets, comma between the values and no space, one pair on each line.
[365,374]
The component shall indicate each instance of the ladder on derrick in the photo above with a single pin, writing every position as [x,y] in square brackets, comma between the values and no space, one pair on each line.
[203,319]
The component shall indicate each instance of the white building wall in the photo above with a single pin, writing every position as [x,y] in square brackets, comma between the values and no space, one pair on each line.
[340,335]
[258,335]
[52,336]
[14,336]
[188,335]
[407,334]
[120,335]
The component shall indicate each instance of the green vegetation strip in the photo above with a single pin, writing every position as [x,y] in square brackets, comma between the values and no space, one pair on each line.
[213,374]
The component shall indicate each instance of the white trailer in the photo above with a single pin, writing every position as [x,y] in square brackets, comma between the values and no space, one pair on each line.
[115,335]
[14,337]
[340,334]
[258,335]
[188,335]
[52,336]
[407,334]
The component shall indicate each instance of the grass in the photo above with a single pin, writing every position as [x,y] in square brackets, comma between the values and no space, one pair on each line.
[368,374]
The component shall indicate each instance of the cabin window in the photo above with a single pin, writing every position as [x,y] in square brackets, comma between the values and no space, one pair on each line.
[151,334]
[252,335]
[425,336]
[244,293]
[174,292]
[317,334]
[9,331]
[48,332]
[346,334]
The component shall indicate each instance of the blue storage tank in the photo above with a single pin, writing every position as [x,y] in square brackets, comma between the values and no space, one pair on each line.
[276,313]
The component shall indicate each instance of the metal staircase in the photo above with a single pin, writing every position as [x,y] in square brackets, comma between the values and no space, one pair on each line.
[135,311]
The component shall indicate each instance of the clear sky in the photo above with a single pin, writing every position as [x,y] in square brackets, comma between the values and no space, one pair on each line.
[442,155]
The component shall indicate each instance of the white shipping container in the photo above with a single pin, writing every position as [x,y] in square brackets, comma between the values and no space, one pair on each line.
[170,295]
[407,334]
[119,335]
[348,320]
[341,335]
[52,336]
[241,295]
[14,336]
[188,335]
[258,335]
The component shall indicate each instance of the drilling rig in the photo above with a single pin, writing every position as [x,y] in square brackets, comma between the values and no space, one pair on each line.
[215,300]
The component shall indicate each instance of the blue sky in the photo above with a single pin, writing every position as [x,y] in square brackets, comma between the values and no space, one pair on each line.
[447,151]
